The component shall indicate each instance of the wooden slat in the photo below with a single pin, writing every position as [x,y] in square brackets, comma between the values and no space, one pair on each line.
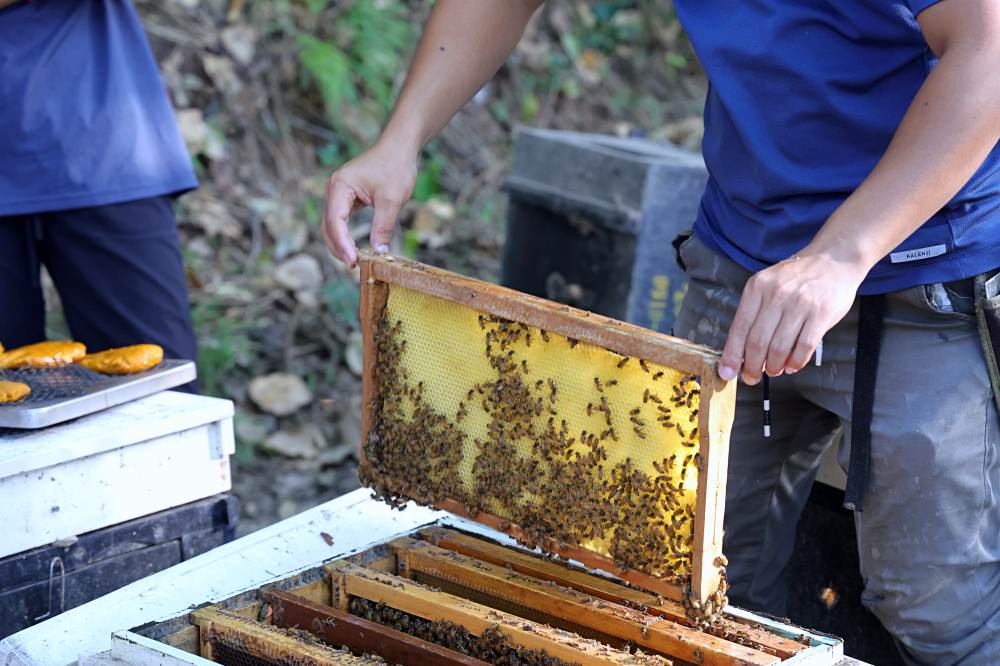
[657,634]
[618,336]
[666,588]
[409,597]
[717,406]
[262,640]
[582,581]
[359,635]
[186,639]
[536,566]
[317,591]
[374,296]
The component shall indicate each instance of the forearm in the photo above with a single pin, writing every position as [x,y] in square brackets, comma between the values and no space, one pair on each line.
[463,45]
[945,136]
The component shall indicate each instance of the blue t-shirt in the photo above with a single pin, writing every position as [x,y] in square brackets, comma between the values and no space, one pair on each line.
[804,99]
[84,117]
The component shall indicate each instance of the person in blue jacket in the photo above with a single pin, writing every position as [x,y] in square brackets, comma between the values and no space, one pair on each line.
[90,160]
[853,206]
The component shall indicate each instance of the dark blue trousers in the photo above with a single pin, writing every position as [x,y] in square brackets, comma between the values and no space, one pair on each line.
[118,270]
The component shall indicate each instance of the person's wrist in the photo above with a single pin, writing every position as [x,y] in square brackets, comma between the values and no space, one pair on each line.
[849,252]
[401,140]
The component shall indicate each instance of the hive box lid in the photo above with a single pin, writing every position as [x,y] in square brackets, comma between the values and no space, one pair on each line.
[138,421]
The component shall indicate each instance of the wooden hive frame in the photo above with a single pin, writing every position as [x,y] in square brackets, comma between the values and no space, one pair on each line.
[337,627]
[645,630]
[265,642]
[428,597]
[717,400]
[351,580]
[567,576]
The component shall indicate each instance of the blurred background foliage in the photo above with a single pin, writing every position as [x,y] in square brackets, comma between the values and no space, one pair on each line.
[272,96]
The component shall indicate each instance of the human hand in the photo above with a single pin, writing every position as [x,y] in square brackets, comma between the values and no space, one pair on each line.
[784,313]
[383,177]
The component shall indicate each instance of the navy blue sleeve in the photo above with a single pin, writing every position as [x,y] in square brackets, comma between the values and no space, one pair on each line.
[917,6]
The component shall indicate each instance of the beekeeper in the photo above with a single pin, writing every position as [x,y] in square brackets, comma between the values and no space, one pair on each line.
[90,160]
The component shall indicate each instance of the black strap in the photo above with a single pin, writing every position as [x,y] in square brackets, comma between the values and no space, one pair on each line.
[871,320]
[676,243]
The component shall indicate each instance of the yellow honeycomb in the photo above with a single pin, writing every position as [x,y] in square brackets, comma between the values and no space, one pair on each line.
[566,439]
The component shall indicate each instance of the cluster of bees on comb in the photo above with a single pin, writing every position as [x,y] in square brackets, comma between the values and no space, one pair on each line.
[254,646]
[571,442]
[492,646]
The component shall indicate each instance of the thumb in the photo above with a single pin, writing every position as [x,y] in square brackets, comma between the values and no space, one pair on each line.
[384,221]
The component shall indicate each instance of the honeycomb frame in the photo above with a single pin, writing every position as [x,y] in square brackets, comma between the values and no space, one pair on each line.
[379,273]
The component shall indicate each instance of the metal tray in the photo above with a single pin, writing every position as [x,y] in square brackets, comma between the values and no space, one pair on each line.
[61,394]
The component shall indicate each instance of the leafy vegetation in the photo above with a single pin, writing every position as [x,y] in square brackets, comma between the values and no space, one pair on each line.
[273,96]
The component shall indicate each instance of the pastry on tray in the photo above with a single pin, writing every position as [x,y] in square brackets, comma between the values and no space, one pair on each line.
[48,354]
[13,391]
[123,360]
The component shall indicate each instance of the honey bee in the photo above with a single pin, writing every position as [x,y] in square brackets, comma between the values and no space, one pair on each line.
[642,364]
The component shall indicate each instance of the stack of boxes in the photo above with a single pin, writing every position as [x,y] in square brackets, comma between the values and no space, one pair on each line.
[93,504]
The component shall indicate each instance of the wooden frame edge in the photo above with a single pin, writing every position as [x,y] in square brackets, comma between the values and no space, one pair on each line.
[714,427]
[630,625]
[410,597]
[374,296]
[617,336]
[579,579]
[264,639]
[662,586]
[337,627]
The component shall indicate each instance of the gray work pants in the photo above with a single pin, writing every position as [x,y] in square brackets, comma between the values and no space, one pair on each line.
[929,535]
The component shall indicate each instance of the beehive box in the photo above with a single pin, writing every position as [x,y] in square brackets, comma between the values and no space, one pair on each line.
[428,575]
[447,597]
[593,439]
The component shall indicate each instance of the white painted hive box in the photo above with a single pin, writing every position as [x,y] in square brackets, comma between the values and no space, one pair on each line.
[128,461]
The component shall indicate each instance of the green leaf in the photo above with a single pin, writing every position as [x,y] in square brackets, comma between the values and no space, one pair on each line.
[411,243]
[382,33]
[676,60]
[343,300]
[330,68]
[328,154]
[428,179]
[530,107]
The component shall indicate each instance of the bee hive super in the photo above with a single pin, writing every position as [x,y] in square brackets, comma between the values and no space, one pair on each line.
[593,439]
[443,597]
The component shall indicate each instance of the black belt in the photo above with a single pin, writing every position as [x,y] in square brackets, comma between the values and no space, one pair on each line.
[871,322]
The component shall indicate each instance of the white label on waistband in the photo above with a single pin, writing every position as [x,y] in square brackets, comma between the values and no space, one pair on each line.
[919,253]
